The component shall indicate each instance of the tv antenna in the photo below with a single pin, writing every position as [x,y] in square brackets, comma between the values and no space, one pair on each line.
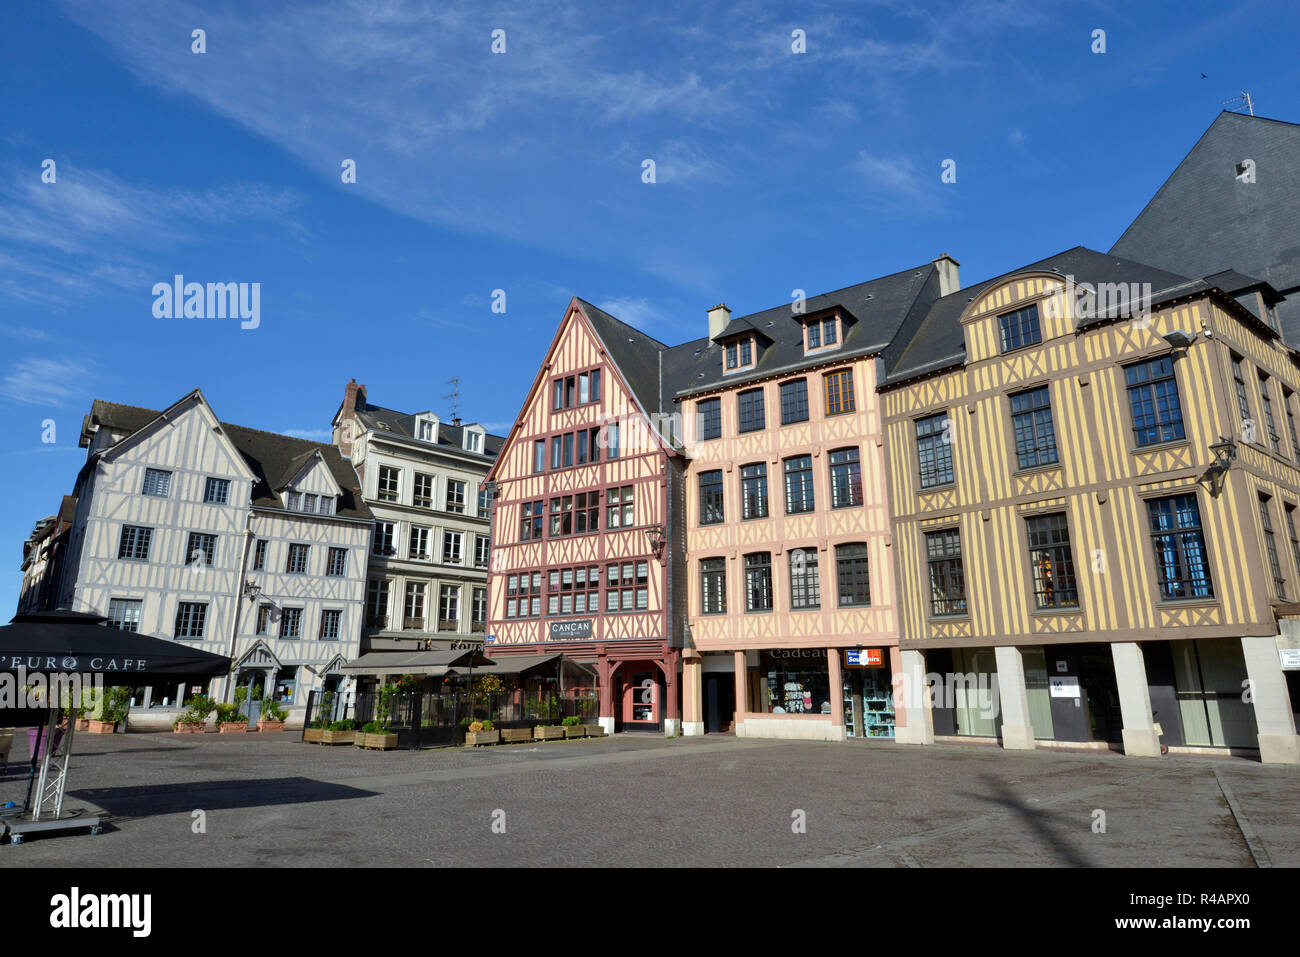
[1234,105]
[454,395]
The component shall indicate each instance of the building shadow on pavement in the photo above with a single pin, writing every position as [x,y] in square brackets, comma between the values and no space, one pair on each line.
[1054,828]
[149,800]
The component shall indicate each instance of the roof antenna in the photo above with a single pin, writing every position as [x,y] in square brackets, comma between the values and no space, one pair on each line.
[1243,99]
[454,395]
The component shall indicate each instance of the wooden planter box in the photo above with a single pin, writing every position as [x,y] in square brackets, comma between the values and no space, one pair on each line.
[515,735]
[313,735]
[189,729]
[100,727]
[593,730]
[381,742]
[232,727]
[270,725]
[548,733]
[475,738]
[83,724]
[337,737]
[575,731]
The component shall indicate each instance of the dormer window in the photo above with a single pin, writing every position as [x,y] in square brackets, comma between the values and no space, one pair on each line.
[473,439]
[426,427]
[426,430]
[821,333]
[740,354]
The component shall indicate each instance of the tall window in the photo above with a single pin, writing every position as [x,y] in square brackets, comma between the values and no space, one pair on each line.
[216,491]
[201,549]
[448,607]
[853,574]
[1294,533]
[484,502]
[297,561]
[455,496]
[947,583]
[1266,403]
[711,497]
[713,586]
[377,603]
[426,430]
[385,538]
[1153,398]
[751,410]
[934,450]
[419,547]
[539,456]
[1031,420]
[191,619]
[413,619]
[524,595]
[423,491]
[157,483]
[309,503]
[846,478]
[1243,400]
[708,419]
[611,441]
[1052,562]
[390,480]
[820,333]
[619,514]
[758,581]
[259,555]
[265,611]
[805,586]
[293,501]
[481,546]
[124,614]
[478,612]
[329,624]
[740,354]
[451,547]
[753,490]
[1287,403]
[561,516]
[1020,328]
[134,544]
[291,623]
[1270,548]
[530,521]
[839,392]
[794,401]
[1182,565]
[798,485]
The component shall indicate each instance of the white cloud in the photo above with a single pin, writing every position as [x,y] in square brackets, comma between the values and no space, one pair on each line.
[46,382]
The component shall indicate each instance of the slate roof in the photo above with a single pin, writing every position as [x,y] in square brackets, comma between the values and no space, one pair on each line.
[1203,219]
[272,458]
[636,354]
[403,423]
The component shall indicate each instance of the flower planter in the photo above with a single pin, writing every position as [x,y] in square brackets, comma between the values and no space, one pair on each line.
[515,735]
[83,724]
[100,727]
[475,738]
[548,733]
[233,727]
[593,730]
[45,740]
[575,731]
[380,742]
[270,725]
[189,729]
[338,737]
[313,735]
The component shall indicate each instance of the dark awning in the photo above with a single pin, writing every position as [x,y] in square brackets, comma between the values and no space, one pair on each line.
[417,663]
[530,664]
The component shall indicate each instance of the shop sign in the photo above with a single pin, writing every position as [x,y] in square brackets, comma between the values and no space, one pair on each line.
[1065,686]
[864,657]
[1290,658]
[566,630]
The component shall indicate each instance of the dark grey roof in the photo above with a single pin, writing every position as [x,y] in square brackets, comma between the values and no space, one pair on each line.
[1204,219]
[635,353]
[938,341]
[271,457]
[403,423]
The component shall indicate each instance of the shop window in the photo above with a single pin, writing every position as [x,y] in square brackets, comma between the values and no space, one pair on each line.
[794,681]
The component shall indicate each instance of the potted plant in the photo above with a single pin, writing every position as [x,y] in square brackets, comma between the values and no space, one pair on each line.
[481,732]
[272,716]
[573,727]
[515,735]
[229,720]
[548,732]
[116,706]
[340,732]
[376,735]
[314,732]
[593,730]
[188,723]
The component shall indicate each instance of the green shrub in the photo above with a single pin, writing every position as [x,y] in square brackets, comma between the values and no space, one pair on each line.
[347,724]
[226,713]
[118,704]
[373,727]
[487,726]
[241,694]
[272,710]
[202,706]
[570,721]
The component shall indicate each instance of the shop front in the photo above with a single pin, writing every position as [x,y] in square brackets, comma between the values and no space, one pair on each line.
[786,693]
[868,693]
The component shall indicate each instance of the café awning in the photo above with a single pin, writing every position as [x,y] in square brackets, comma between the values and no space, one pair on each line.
[437,663]
[531,664]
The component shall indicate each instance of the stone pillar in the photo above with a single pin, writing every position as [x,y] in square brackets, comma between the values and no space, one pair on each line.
[912,698]
[692,693]
[742,693]
[1140,738]
[1017,730]
[835,675]
[1278,743]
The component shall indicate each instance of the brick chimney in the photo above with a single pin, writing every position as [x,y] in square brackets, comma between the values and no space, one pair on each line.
[719,316]
[353,395]
[949,276]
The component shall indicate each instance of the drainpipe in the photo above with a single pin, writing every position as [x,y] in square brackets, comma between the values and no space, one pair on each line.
[228,693]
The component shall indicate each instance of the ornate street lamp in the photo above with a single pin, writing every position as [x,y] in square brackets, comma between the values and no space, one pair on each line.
[1224,451]
[655,534]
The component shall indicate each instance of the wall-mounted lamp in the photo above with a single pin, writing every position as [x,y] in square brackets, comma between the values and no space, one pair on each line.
[1224,451]
[1179,339]
[655,535]
[252,590]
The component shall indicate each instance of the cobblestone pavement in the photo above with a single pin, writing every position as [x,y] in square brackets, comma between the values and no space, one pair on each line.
[636,801]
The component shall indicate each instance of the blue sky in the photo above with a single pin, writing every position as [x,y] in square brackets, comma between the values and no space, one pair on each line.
[522,171]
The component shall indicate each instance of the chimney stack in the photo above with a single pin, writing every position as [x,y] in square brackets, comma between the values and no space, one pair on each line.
[347,430]
[719,316]
[949,276]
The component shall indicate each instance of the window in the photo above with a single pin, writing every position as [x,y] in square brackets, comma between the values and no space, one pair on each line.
[1020,328]
[829,331]
[805,585]
[575,390]
[1031,421]
[413,614]
[1243,401]
[216,491]
[157,483]
[1287,403]
[377,603]
[134,544]
[713,586]
[561,516]
[309,503]
[814,330]
[478,610]
[484,502]
[426,430]
[524,595]
[1270,548]
[794,401]
[711,497]
[1153,398]
[934,450]
[740,354]
[200,549]
[124,614]
[449,606]
[423,496]
[618,514]
[753,491]
[708,419]
[567,458]
[1052,562]
[455,496]
[530,521]
[293,501]
[823,332]
[555,451]
[1266,403]
[329,624]
[419,545]
[473,441]
[481,544]
[947,583]
[751,410]
[1294,532]
[852,574]
[846,478]
[539,456]
[839,392]
[758,581]
[291,623]
[326,505]
[1182,565]
[798,485]
[626,587]
[611,438]
[259,555]
[297,563]
[389,482]
[575,591]
[384,538]
[337,565]
[264,614]
[191,619]
[586,512]
[451,547]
